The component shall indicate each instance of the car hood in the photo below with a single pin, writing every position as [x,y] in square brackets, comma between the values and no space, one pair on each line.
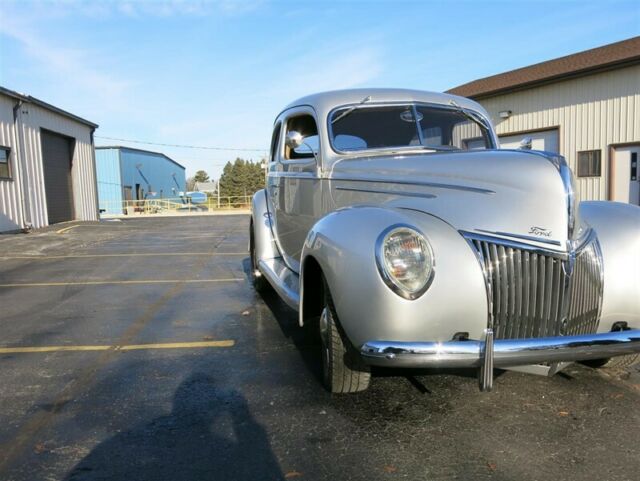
[511,194]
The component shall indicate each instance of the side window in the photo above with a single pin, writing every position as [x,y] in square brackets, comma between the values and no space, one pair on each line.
[5,166]
[306,125]
[275,141]
[589,164]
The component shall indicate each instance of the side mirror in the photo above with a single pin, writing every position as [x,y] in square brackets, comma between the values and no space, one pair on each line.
[294,139]
[525,143]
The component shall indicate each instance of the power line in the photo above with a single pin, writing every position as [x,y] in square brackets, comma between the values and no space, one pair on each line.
[228,149]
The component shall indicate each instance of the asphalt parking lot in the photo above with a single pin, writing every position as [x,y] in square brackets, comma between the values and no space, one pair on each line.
[138,350]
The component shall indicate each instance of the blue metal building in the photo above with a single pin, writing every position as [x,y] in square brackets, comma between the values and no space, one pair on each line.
[124,173]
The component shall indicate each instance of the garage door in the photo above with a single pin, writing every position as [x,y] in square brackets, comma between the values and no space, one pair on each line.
[57,154]
[546,140]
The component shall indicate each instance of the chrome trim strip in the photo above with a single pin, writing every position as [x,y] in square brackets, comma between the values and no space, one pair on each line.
[312,176]
[506,352]
[297,175]
[520,236]
[436,185]
[512,244]
[389,192]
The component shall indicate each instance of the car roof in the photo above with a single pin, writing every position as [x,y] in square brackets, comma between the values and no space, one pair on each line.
[324,102]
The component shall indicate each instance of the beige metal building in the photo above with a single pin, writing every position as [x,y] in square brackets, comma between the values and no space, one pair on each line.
[47,164]
[584,106]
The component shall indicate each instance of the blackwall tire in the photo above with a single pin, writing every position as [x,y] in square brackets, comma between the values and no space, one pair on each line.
[618,362]
[343,369]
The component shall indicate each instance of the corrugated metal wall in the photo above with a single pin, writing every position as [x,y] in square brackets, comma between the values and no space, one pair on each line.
[591,112]
[31,119]
[109,180]
[10,208]
[155,171]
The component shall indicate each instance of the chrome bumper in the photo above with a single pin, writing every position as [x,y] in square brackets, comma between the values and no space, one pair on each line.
[504,353]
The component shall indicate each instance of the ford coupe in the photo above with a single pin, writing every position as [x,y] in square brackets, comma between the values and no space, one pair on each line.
[405,237]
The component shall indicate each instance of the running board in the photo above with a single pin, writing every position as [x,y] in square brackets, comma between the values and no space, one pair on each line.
[283,280]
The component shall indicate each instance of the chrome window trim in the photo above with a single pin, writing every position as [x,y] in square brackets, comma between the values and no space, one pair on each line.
[284,118]
[413,105]
[379,254]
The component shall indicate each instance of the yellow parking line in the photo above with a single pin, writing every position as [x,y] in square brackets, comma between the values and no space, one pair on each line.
[131,347]
[178,345]
[141,254]
[141,281]
[14,350]
[66,229]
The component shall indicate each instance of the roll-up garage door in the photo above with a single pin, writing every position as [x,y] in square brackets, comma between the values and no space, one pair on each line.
[546,140]
[57,155]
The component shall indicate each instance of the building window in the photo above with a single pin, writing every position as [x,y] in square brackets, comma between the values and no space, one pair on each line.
[5,165]
[589,164]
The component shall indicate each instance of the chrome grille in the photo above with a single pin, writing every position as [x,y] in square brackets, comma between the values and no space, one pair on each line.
[531,293]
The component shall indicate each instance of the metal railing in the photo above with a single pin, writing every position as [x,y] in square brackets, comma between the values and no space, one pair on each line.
[173,206]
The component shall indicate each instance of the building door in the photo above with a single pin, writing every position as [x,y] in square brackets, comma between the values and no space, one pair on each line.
[57,157]
[625,171]
[546,140]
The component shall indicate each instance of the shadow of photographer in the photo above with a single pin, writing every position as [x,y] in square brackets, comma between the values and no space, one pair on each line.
[210,434]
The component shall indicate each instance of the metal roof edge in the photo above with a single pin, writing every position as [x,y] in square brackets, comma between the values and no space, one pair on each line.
[124,147]
[45,105]
[551,79]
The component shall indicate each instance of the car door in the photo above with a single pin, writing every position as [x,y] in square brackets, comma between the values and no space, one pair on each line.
[293,184]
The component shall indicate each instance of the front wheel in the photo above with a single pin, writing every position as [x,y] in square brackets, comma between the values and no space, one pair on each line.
[343,369]
[618,362]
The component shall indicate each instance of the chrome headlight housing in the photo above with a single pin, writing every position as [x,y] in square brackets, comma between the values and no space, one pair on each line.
[405,261]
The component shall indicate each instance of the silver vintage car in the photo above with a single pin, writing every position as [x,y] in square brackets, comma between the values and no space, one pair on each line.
[402,234]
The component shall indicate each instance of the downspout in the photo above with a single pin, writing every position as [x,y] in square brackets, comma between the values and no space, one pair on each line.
[27,225]
[95,174]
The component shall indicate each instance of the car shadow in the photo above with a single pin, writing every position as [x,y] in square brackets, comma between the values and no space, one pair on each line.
[210,434]
[308,344]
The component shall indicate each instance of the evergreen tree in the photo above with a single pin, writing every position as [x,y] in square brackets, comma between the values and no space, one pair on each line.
[241,177]
[201,176]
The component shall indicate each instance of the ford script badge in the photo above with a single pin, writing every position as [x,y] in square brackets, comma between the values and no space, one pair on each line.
[539,231]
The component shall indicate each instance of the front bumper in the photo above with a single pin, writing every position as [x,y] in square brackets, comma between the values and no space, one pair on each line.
[502,353]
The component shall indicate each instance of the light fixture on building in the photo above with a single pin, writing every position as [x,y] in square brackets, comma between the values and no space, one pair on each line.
[505,114]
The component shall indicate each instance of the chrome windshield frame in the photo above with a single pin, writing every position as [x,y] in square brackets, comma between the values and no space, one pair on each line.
[408,148]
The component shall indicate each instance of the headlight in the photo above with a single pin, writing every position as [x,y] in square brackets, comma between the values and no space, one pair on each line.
[405,261]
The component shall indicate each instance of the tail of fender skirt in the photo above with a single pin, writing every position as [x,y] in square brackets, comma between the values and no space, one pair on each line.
[542,294]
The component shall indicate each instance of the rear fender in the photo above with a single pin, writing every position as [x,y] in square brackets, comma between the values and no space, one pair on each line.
[617,226]
[342,246]
[264,243]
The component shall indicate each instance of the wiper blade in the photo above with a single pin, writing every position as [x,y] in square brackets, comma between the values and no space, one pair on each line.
[351,109]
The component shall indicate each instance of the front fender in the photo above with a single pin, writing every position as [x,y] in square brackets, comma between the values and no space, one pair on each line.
[617,226]
[343,245]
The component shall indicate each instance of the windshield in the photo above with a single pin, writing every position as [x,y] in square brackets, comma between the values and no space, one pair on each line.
[406,126]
